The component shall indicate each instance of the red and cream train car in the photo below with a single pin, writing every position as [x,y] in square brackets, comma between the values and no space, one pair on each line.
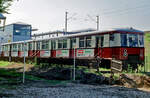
[126,45]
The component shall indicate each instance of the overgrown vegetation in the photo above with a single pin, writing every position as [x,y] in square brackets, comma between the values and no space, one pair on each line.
[84,68]
[147,52]
[10,78]
[4,63]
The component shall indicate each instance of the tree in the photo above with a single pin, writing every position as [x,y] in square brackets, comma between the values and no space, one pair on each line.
[4,5]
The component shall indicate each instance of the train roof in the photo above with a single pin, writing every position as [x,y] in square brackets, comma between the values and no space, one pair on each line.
[128,30]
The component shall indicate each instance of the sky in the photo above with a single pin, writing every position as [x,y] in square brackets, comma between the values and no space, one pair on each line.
[49,15]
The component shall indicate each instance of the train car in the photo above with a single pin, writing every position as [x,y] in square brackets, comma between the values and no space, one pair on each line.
[125,45]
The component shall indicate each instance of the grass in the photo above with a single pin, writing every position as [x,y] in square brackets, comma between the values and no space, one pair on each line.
[147,52]
[4,63]
[9,79]
[51,82]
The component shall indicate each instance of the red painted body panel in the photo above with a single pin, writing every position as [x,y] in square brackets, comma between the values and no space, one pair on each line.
[104,52]
[119,53]
[132,51]
[53,53]
[2,54]
[71,53]
[19,53]
[31,53]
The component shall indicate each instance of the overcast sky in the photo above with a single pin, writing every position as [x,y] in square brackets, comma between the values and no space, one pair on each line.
[49,15]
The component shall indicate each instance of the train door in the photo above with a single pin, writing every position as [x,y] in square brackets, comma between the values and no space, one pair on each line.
[30,50]
[53,48]
[112,44]
[20,50]
[34,48]
[99,45]
[100,41]
[38,48]
[73,44]
[14,52]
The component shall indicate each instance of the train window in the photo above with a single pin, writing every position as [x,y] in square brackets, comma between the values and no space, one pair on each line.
[30,46]
[88,41]
[38,45]
[133,40]
[7,48]
[60,44]
[33,46]
[111,37]
[81,42]
[14,48]
[19,47]
[25,47]
[141,41]
[106,40]
[73,43]
[45,45]
[99,41]
[112,40]
[53,44]
[3,48]
[102,41]
[65,43]
[123,39]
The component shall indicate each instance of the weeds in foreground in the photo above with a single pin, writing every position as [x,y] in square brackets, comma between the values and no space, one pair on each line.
[4,63]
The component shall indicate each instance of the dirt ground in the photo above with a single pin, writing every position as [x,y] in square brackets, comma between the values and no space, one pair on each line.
[18,66]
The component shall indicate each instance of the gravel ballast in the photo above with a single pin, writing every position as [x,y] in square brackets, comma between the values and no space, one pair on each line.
[73,90]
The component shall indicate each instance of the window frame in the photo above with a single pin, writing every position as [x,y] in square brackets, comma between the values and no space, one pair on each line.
[45,45]
[133,44]
[53,44]
[141,36]
[100,38]
[38,45]
[87,39]
[112,37]
[122,37]
[19,47]
[72,42]
[14,48]
[62,43]
[82,39]
[30,45]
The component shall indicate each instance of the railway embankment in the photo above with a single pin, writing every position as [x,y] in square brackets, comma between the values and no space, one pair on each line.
[53,82]
[59,73]
[130,80]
